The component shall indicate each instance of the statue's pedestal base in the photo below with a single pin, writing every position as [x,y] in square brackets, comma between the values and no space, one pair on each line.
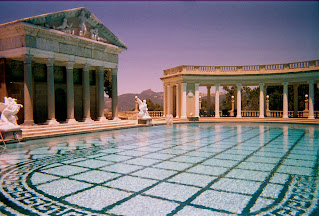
[145,121]
[193,118]
[11,133]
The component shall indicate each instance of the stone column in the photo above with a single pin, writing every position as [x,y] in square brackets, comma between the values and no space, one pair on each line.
[238,100]
[296,100]
[100,93]
[196,99]
[177,101]
[232,106]
[70,93]
[164,101]
[267,106]
[169,99]
[311,99]
[261,101]
[114,95]
[183,102]
[285,100]
[217,102]
[28,91]
[51,95]
[208,99]
[86,94]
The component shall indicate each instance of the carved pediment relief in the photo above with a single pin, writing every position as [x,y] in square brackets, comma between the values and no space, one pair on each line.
[77,22]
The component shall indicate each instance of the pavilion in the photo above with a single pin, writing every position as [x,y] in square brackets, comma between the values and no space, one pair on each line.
[181,85]
[54,65]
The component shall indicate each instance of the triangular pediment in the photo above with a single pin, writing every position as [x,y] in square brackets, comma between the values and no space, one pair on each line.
[80,22]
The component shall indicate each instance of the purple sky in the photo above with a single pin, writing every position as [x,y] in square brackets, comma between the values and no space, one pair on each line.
[160,35]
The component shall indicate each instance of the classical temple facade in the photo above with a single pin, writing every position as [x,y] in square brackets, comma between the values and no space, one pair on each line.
[54,64]
[181,85]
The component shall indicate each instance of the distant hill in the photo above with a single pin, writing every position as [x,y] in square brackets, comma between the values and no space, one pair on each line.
[127,101]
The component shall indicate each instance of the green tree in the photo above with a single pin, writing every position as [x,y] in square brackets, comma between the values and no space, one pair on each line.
[211,109]
[108,82]
[226,104]
[153,106]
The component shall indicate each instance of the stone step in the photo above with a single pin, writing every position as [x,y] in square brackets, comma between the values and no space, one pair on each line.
[46,130]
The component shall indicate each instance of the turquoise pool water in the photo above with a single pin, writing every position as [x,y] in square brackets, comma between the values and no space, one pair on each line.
[185,169]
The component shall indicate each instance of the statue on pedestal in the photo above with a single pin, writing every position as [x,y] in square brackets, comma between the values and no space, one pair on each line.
[9,110]
[9,128]
[143,116]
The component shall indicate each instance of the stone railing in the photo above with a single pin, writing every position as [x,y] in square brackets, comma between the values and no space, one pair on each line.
[156,114]
[304,65]
[250,113]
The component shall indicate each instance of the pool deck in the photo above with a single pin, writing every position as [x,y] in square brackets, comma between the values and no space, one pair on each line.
[45,131]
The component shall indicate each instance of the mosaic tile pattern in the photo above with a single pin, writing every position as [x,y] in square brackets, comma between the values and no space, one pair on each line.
[187,169]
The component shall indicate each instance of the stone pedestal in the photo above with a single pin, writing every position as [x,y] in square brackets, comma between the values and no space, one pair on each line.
[11,133]
[145,121]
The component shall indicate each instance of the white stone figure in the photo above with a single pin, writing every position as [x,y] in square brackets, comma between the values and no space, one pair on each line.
[9,110]
[94,34]
[169,119]
[82,26]
[143,114]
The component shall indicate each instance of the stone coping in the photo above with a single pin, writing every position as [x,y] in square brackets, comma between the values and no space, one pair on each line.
[65,129]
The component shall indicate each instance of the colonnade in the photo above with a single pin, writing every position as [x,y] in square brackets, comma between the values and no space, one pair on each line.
[182,98]
[28,92]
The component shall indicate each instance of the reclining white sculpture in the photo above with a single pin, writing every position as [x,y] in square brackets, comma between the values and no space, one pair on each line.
[9,110]
[143,114]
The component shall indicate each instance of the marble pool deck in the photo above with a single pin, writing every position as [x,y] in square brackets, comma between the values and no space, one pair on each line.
[45,131]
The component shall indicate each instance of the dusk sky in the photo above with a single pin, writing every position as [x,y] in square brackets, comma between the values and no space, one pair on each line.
[162,34]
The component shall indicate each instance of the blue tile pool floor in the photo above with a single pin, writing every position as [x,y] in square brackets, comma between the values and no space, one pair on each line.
[185,169]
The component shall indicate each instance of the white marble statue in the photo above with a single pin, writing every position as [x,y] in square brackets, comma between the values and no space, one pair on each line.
[9,110]
[143,114]
[94,34]
[82,26]
[169,119]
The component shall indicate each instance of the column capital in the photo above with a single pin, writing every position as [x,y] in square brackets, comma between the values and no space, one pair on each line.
[69,65]
[27,59]
[49,62]
[311,82]
[86,67]
[114,71]
[285,83]
[217,85]
[100,68]
[208,86]
[262,84]
[176,84]
[238,84]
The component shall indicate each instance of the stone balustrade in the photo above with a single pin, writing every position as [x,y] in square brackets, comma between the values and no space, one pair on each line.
[286,67]
[156,114]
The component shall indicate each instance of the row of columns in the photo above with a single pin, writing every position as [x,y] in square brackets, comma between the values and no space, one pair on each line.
[181,94]
[28,93]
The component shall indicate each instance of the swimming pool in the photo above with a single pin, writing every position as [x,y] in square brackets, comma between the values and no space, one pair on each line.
[185,169]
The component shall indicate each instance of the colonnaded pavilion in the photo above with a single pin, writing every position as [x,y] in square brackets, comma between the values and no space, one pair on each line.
[181,86]
[54,64]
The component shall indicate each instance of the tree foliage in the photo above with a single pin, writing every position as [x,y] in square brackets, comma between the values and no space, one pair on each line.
[153,106]
[250,97]
[108,82]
